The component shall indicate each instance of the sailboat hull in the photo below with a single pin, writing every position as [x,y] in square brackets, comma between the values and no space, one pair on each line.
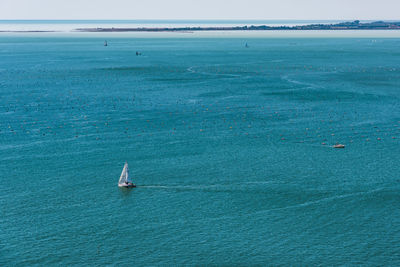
[129,185]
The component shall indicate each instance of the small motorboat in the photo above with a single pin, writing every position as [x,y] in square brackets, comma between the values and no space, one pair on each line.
[124,180]
[339,146]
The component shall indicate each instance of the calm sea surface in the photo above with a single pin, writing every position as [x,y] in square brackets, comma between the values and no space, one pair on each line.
[230,148]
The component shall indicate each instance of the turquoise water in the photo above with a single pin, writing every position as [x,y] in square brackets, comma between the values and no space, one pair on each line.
[230,148]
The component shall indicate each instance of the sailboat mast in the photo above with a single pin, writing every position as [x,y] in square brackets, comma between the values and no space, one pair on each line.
[128,179]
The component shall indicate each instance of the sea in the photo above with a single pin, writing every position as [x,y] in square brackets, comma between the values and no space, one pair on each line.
[230,146]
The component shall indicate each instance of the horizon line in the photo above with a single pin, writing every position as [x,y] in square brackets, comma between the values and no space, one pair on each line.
[252,19]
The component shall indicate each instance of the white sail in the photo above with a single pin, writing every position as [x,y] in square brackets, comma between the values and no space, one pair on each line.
[128,178]
[124,178]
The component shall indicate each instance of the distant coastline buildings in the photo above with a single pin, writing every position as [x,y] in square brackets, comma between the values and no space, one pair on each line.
[354,25]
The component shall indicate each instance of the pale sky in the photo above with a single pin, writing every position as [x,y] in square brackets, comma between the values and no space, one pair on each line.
[201,9]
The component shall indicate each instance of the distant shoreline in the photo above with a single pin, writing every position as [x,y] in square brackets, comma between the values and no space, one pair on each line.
[355,25]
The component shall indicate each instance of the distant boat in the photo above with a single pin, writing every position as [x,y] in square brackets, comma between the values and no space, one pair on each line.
[246,45]
[339,146]
[105,43]
[125,180]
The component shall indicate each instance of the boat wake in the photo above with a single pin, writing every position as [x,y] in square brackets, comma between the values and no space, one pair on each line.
[297,82]
[230,188]
[315,202]
[183,187]
[224,75]
[153,186]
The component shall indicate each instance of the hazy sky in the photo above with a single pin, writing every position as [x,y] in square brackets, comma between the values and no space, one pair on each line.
[200,9]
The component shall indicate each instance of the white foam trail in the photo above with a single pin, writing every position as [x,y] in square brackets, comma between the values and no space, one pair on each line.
[309,203]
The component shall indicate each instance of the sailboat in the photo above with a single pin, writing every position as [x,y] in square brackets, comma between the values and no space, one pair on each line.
[124,179]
